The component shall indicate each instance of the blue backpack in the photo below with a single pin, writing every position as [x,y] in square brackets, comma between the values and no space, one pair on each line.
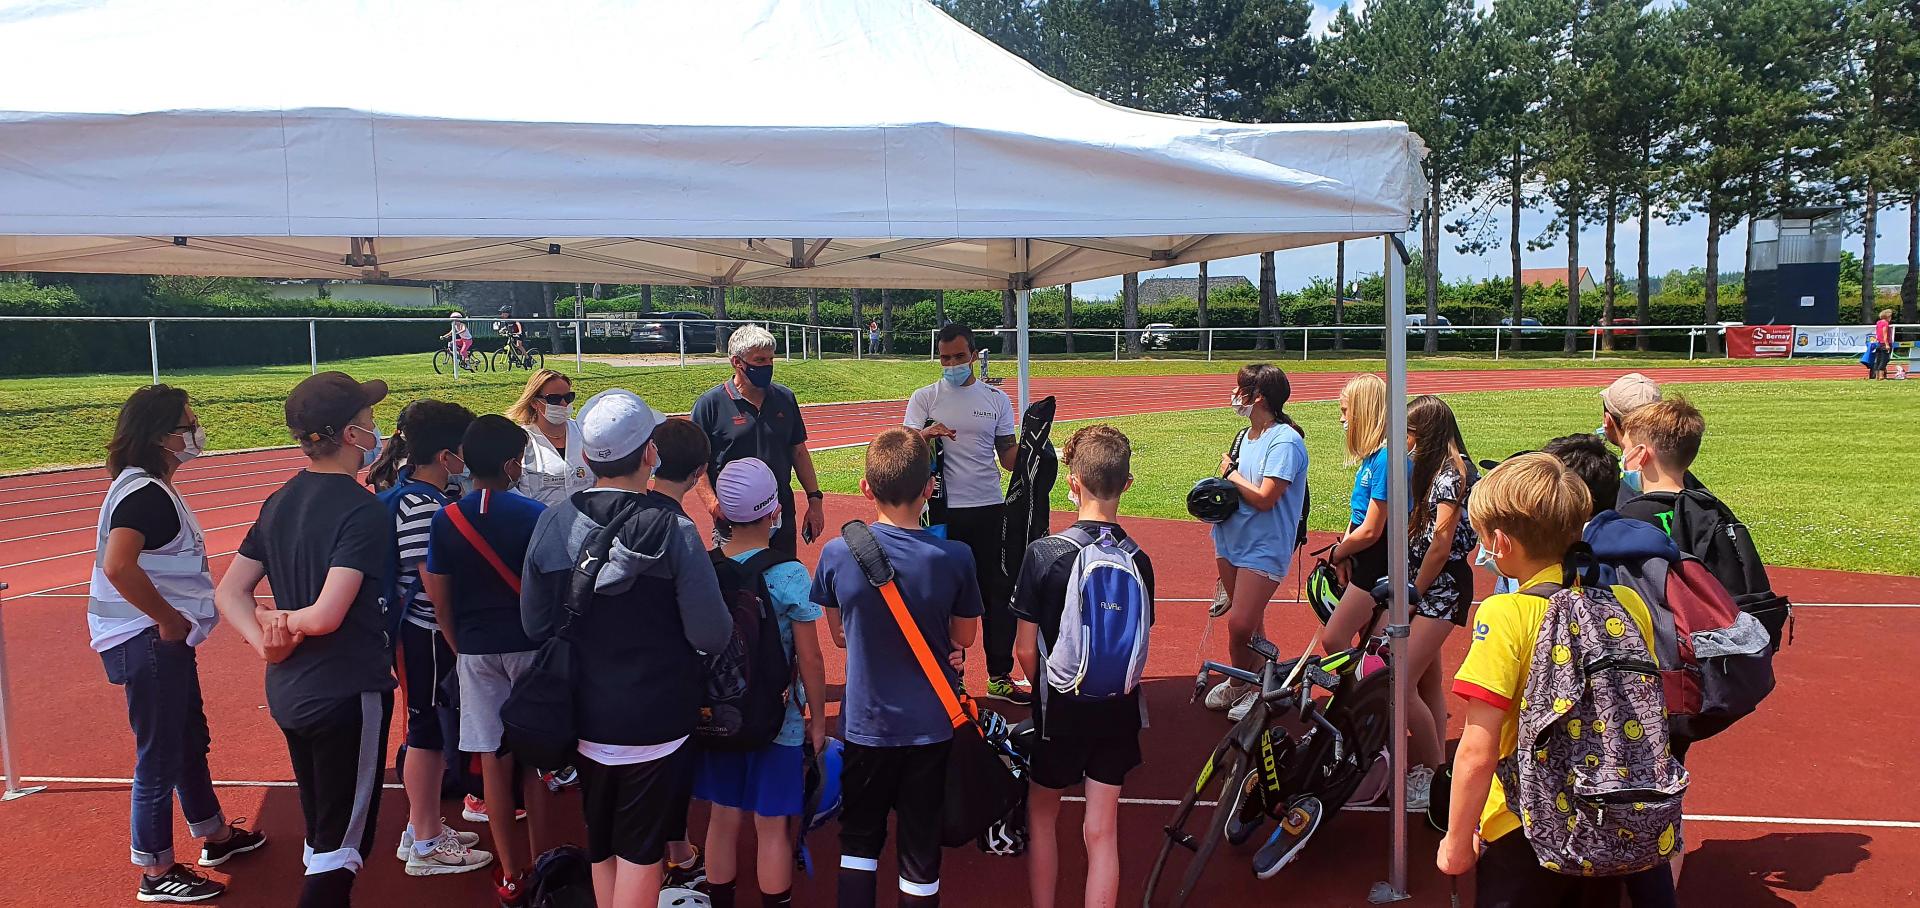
[1101,649]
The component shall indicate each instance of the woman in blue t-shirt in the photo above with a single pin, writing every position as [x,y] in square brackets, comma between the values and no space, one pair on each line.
[1361,555]
[1254,547]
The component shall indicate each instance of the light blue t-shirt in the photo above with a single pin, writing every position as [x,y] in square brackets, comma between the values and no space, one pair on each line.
[1263,540]
[789,586]
[1370,484]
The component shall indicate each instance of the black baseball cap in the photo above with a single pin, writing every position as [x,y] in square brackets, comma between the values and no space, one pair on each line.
[323,404]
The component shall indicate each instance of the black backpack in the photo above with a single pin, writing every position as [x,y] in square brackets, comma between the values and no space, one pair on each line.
[561,878]
[748,681]
[1704,527]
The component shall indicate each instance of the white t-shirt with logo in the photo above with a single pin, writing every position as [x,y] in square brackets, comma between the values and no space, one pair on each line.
[977,413]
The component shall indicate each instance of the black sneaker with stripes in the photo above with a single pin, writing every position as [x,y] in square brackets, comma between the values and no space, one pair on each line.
[239,840]
[178,884]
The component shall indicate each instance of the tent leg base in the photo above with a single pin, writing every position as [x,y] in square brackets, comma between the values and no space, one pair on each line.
[1383,893]
[22,792]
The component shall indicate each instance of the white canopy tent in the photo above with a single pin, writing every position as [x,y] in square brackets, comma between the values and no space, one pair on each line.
[786,143]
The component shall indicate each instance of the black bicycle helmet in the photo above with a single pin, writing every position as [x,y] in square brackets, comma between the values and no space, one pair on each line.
[1213,500]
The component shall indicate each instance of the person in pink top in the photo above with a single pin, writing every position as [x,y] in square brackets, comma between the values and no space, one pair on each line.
[1883,346]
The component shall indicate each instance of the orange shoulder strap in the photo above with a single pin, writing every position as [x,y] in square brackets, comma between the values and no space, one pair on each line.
[957,712]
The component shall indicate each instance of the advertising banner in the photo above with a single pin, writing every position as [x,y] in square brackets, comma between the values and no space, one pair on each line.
[1760,341]
[1816,340]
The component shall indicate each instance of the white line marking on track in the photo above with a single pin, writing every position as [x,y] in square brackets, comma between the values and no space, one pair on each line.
[230,526]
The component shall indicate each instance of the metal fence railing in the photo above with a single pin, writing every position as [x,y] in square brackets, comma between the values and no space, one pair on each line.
[1495,341]
[699,336]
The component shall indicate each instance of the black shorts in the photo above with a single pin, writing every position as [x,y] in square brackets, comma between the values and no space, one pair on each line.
[1450,596]
[425,663]
[1509,876]
[1368,566]
[1063,762]
[910,783]
[633,811]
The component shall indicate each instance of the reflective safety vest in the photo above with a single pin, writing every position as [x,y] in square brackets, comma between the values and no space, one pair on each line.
[177,569]
[546,476]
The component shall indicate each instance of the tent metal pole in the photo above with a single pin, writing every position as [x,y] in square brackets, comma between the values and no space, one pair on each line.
[313,347]
[1394,887]
[579,329]
[1020,300]
[153,347]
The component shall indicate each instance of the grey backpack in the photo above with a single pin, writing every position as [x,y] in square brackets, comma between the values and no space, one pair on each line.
[1593,778]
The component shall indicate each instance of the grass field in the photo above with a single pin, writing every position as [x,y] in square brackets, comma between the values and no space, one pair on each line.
[67,419]
[1821,471]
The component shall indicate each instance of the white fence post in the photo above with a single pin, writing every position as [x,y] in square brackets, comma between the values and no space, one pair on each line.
[153,348]
[1690,336]
[1303,343]
[1496,343]
[682,327]
[789,346]
[1596,344]
[1209,333]
[1116,346]
[313,347]
[13,789]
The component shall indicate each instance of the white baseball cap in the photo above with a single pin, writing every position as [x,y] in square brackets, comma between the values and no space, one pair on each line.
[615,423]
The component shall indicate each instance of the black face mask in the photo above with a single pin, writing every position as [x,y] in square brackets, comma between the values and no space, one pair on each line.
[759,376]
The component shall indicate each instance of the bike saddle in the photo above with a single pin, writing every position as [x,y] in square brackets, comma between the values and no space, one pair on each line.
[1383,593]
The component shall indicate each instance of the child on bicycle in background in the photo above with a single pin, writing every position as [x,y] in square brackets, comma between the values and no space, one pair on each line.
[1440,548]
[460,335]
[510,328]
[1529,512]
[1095,741]
[1253,548]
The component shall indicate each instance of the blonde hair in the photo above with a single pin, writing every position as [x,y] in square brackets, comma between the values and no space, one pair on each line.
[1671,429]
[1536,500]
[522,411]
[1886,314]
[1366,398]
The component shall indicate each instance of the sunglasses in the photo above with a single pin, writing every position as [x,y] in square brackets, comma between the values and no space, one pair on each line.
[558,399]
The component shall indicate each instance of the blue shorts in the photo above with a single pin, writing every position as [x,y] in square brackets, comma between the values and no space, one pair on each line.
[768,782]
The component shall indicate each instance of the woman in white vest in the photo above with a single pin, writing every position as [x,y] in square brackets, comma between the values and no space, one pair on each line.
[149,603]
[554,466]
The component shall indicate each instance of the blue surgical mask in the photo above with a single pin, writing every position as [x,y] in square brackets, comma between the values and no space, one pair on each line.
[778,522]
[1602,431]
[1631,479]
[369,455]
[1485,559]
[957,375]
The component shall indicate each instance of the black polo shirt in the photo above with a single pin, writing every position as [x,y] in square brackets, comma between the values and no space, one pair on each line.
[736,428]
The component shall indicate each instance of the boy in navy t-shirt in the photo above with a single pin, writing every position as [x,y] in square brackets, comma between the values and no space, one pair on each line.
[897,733]
[477,608]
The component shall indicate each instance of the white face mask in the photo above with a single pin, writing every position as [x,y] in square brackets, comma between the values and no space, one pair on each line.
[196,444]
[1241,408]
[557,413]
[1073,495]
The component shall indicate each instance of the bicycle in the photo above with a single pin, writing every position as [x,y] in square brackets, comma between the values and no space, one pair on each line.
[516,353]
[1265,769]
[443,361]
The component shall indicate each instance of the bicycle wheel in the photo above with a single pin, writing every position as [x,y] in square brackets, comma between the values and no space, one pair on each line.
[534,360]
[1364,716]
[443,363]
[1237,767]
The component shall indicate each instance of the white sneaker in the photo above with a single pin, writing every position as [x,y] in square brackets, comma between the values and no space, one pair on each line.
[448,856]
[405,851]
[1243,705]
[1225,694]
[1419,788]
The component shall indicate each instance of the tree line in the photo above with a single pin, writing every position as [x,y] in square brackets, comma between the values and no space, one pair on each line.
[1598,111]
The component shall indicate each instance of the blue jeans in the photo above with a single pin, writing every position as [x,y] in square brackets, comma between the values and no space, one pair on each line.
[170,737]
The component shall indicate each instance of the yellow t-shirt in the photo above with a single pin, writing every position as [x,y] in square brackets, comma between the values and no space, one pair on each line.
[1497,665]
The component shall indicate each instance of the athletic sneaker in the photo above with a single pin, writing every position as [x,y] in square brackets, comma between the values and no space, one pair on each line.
[1244,705]
[405,851]
[1018,693]
[179,884]
[1419,788]
[447,856]
[691,875]
[1296,828]
[1224,695]
[561,779]
[240,840]
[510,890]
[474,810]
[1439,799]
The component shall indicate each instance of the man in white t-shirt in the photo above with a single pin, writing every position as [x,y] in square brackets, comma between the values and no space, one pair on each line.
[973,423]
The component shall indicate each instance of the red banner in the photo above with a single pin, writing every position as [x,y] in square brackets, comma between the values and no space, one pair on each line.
[1759,341]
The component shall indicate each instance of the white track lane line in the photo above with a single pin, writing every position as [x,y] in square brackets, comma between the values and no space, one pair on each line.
[89,552]
[216,461]
[1131,802]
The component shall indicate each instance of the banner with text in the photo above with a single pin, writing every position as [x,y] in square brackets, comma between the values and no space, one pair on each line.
[1814,340]
[1760,341]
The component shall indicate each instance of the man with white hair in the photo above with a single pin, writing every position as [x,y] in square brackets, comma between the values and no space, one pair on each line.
[749,415]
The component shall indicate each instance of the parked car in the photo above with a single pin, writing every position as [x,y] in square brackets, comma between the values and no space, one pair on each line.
[1527,325]
[1417,323]
[662,333]
[1158,335]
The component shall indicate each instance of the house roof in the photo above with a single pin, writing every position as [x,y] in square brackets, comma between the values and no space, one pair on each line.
[1547,277]
[1161,289]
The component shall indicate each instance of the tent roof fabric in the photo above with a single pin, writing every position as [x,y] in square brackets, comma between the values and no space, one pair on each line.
[804,143]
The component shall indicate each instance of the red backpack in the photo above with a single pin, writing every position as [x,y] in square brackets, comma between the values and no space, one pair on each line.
[1716,661]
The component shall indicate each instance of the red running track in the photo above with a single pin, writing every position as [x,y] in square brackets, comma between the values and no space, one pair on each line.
[1805,804]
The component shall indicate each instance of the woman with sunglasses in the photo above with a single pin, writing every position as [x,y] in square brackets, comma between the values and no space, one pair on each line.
[554,466]
[149,603]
